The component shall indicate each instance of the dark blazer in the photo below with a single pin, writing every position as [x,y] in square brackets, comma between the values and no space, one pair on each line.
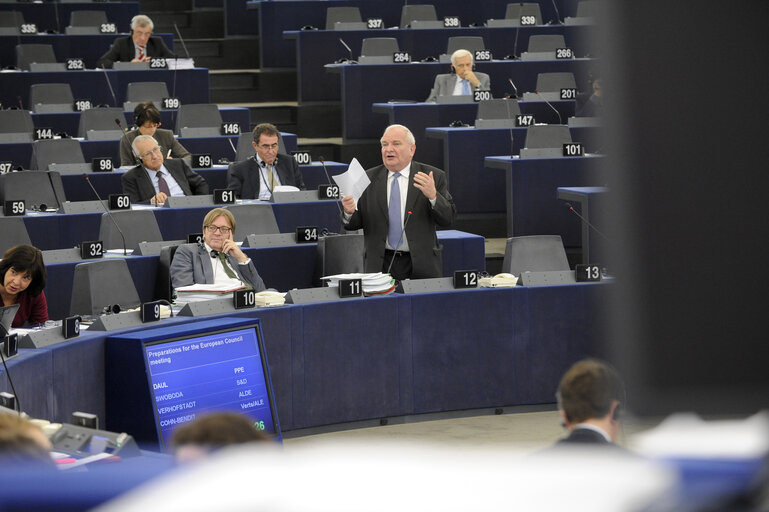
[245,178]
[123,50]
[165,139]
[444,85]
[192,265]
[140,189]
[371,215]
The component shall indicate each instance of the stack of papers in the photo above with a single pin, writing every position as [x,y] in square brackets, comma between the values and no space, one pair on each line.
[373,284]
[197,292]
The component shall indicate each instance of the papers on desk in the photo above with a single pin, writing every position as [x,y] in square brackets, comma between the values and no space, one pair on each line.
[353,181]
[373,284]
[199,292]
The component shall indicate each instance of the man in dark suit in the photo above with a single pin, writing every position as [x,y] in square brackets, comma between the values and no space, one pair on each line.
[257,176]
[402,193]
[217,260]
[140,46]
[589,398]
[462,82]
[155,179]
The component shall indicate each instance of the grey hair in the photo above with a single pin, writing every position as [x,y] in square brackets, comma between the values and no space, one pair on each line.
[459,54]
[140,20]
[409,136]
[138,139]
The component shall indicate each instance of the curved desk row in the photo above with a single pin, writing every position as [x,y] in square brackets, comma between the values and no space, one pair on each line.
[357,359]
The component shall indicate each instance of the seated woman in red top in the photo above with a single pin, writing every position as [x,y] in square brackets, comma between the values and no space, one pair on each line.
[23,279]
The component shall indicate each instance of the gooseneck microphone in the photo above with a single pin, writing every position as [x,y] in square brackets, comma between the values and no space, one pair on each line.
[348,49]
[514,87]
[330,182]
[109,84]
[557,14]
[560,120]
[120,125]
[109,213]
[182,41]
[583,219]
[400,239]
[235,151]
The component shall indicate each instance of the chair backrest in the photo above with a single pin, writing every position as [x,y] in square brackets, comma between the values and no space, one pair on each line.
[537,253]
[203,118]
[420,12]
[334,14]
[341,254]
[87,18]
[498,108]
[12,19]
[516,10]
[136,225]
[14,233]
[588,9]
[554,82]
[50,98]
[246,150]
[137,92]
[35,188]
[546,42]
[100,120]
[29,53]
[16,126]
[102,283]
[163,288]
[547,136]
[379,46]
[469,43]
[55,151]
[253,219]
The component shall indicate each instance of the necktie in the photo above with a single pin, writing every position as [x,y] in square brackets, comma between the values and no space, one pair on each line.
[228,270]
[394,210]
[141,53]
[163,184]
[271,176]
[465,87]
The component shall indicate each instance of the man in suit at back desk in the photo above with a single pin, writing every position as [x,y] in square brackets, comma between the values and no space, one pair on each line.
[400,210]
[257,176]
[462,82]
[155,179]
[140,46]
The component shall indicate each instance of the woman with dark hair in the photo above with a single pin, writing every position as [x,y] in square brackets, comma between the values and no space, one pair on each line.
[147,121]
[23,279]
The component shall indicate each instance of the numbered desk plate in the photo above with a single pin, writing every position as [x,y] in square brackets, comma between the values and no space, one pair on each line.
[74,64]
[483,55]
[171,103]
[465,279]
[399,57]
[6,167]
[82,105]
[102,164]
[230,129]
[202,161]
[243,299]
[119,202]
[350,288]
[302,157]
[150,312]
[224,196]
[328,191]
[14,208]
[70,327]
[373,23]
[43,133]
[587,272]
[573,149]
[451,22]
[306,234]
[158,63]
[92,250]
[522,120]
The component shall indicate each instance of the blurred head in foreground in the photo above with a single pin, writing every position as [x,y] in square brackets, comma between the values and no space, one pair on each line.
[23,443]
[208,433]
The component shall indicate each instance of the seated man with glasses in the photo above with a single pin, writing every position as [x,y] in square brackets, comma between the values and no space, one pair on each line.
[216,260]
[156,178]
[257,177]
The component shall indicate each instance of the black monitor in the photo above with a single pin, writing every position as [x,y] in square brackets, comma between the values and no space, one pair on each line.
[7,314]
[179,373]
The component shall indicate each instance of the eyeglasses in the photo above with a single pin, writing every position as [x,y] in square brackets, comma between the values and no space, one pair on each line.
[156,149]
[267,147]
[220,229]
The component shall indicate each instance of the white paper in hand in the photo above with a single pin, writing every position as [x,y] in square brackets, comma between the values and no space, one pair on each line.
[353,181]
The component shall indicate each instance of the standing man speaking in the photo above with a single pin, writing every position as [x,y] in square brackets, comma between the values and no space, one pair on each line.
[400,211]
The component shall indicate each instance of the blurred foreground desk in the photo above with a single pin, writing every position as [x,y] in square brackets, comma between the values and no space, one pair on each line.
[371,358]
[530,188]
[282,267]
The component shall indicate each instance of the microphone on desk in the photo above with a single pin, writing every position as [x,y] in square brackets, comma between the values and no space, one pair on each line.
[557,14]
[109,84]
[514,87]
[400,239]
[515,43]
[182,41]
[512,123]
[350,60]
[120,125]
[232,146]
[583,219]
[560,120]
[109,213]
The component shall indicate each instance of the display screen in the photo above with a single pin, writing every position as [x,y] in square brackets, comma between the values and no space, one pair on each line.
[219,371]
